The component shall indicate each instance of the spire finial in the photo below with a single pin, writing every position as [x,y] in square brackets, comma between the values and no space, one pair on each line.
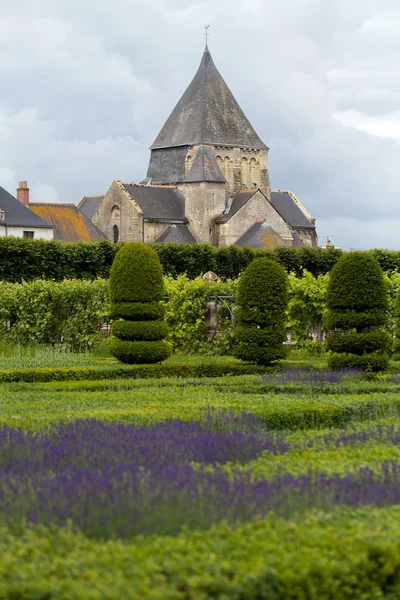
[206,27]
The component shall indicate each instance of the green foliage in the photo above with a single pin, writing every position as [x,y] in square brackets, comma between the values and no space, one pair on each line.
[139,352]
[359,343]
[394,322]
[347,555]
[375,361]
[307,304]
[208,367]
[357,290]
[192,259]
[136,279]
[47,311]
[354,320]
[356,284]
[185,314]
[259,345]
[140,330]
[138,311]
[262,302]
[24,260]
[136,275]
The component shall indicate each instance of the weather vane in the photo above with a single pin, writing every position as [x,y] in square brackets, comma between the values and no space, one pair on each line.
[206,27]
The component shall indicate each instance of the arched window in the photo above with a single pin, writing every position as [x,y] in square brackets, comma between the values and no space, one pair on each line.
[115,214]
[189,161]
[116,233]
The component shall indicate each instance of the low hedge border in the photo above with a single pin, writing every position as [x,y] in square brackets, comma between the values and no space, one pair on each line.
[348,554]
[179,370]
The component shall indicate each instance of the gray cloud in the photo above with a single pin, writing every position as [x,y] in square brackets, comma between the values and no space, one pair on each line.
[86,87]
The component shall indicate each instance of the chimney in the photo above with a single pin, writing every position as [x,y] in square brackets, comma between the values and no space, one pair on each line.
[23,193]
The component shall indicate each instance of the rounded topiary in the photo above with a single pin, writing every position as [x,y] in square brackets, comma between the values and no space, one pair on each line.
[262,301]
[136,275]
[357,303]
[136,289]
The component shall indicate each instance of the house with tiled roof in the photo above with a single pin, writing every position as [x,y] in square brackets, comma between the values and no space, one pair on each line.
[17,220]
[69,223]
[207,181]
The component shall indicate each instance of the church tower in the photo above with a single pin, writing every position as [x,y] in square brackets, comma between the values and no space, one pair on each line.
[209,149]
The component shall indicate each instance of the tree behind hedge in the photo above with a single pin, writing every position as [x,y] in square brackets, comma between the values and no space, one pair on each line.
[136,291]
[357,303]
[262,301]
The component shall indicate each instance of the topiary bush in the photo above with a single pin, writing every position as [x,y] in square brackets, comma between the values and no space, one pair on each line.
[357,302]
[136,291]
[262,300]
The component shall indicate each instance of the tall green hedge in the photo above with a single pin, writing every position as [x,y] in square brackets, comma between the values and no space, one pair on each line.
[357,302]
[25,260]
[262,302]
[136,289]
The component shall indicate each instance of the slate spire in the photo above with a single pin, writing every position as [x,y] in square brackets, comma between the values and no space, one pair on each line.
[207,113]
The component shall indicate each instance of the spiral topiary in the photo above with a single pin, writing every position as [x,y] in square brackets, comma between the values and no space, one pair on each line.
[357,303]
[262,301]
[136,291]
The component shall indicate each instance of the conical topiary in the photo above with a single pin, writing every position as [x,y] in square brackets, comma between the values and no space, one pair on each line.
[136,291]
[262,299]
[357,305]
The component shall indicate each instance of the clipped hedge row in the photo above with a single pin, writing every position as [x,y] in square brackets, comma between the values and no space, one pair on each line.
[25,260]
[187,370]
[347,555]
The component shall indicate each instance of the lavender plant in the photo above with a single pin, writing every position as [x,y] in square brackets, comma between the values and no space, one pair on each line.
[118,480]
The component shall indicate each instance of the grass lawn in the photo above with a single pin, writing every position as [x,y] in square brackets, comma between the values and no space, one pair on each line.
[275,486]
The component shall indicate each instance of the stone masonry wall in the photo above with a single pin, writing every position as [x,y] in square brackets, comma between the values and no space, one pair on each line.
[118,209]
[255,209]
[243,168]
[204,202]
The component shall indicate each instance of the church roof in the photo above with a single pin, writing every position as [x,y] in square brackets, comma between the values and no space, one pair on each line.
[205,167]
[157,202]
[71,225]
[89,204]
[290,209]
[207,113]
[17,214]
[235,203]
[260,235]
[177,233]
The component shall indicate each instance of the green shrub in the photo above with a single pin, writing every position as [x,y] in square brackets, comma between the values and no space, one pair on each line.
[349,554]
[208,368]
[136,280]
[138,311]
[356,284]
[140,330]
[356,290]
[139,352]
[136,275]
[354,320]
[358,343]
[376,361]
[262,301]
[261,346]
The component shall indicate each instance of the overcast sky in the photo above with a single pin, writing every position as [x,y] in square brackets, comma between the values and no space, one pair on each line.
[86,86]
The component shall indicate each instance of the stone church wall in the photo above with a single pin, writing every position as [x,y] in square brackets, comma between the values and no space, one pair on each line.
[152,229]
[308,236]
[244,168]
[204,202]
[118,210]
[255,209]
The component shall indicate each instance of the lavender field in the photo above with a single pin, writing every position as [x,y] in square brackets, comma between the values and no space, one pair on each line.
[232,468]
